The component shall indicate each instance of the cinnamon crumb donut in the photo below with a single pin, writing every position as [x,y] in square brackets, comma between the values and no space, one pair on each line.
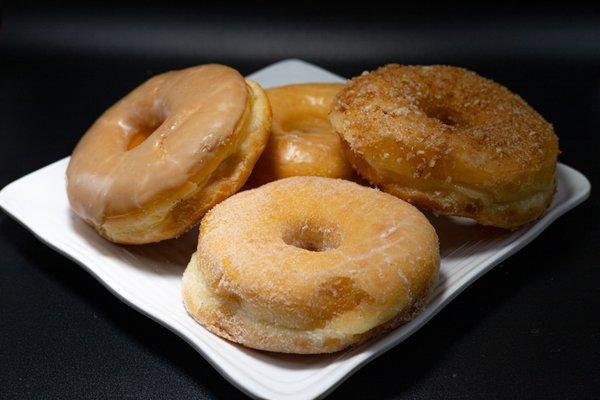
[302,141]
[310,265]
[153,164]
[448,140]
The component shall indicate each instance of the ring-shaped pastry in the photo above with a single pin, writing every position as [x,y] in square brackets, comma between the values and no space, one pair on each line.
[302,141]
[153,164]
[310,265]
[448,140]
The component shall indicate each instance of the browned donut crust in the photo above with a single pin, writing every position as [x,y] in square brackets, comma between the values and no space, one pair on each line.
[448,140]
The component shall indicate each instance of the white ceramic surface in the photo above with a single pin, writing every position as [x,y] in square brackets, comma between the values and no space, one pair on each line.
[148,277]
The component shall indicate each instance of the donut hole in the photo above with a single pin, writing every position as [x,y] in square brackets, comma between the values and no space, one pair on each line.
[305,123]
[444,115]
[312,237]
[143,128]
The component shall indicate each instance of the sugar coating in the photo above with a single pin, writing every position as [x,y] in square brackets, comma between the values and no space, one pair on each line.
[414,130]
[378,259]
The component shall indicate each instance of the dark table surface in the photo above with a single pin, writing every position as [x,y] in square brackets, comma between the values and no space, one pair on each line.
[528,329]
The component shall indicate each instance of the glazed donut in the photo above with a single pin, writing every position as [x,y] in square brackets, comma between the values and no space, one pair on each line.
[310,265]
[153,164]
[302,142]
[450,141]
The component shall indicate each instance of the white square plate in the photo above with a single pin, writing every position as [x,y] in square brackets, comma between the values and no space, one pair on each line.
[148,277]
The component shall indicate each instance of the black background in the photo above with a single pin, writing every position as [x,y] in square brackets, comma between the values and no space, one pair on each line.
[528,329]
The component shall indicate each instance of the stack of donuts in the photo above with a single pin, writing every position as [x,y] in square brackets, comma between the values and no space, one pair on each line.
[310,240]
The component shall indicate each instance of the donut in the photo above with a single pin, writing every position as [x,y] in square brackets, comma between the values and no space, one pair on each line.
[302,142]
[310,265]
[450,141]
[152,165]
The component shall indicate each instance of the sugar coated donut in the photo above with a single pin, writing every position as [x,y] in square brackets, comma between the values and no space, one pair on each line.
[310,265]
[153,164]
[449,140]
[302,142]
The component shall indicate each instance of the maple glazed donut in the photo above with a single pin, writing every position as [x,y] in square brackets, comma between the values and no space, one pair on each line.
[153,164]
[310,265]
[302,141]
[448,140]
